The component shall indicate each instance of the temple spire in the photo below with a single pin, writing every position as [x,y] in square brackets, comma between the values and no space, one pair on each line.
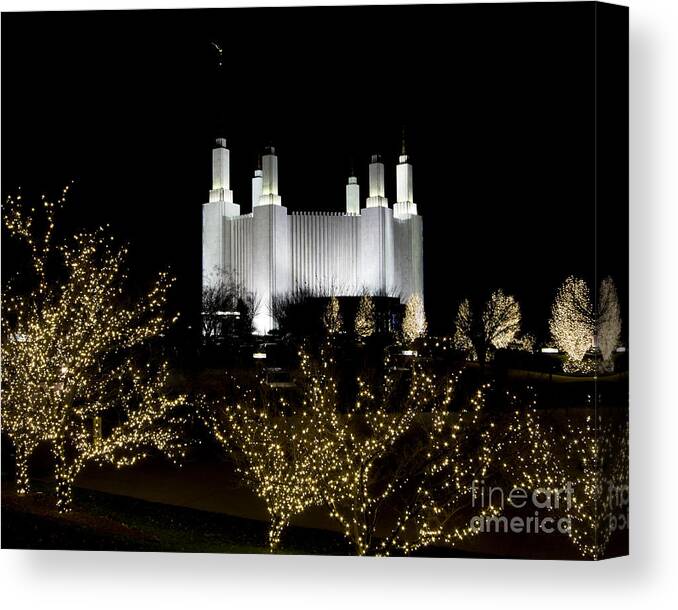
[269,186]
[404,206]
[221,172]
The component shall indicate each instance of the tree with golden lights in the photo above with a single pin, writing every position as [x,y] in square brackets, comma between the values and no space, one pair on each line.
[399,463]
[497,326]
[577,325]
[393,465]
[332,317]
[609,324]
[364,319]
[356,473]
[572,322]
[464,330]
[588,456]
[274,447]
[462,448]
[414,321]
[76,369]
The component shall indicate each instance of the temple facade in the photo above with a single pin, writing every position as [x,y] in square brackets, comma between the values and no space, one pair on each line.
[372,249]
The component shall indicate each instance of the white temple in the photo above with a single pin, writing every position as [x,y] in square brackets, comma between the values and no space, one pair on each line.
[374,249]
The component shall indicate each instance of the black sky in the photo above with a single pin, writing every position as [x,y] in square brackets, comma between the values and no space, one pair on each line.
[498,103]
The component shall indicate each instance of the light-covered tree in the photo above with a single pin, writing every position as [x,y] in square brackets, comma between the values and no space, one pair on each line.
[275,448]
[524,343]
[495,328]
[332,317]
[464,330]
[572,322]
[586,460]
[364,319]
[71,356]
[394,465]
[414,321]
[398,460]
[501,319]
[461,449]
[608,327]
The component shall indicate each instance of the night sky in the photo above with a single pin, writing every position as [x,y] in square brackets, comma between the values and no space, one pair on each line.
[498,103]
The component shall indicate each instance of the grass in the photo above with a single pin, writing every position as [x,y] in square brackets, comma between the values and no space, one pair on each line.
[106,522]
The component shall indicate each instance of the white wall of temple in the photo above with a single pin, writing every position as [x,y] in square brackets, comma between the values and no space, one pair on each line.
[240,249]
[409,262]
[215,239]
[417,245]
[377,250]
[270,252]
[325,248]
[271,261]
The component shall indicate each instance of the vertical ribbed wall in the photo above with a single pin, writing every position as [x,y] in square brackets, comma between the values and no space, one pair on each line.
[325,252]
[241,251]
[329,252]
[409,263]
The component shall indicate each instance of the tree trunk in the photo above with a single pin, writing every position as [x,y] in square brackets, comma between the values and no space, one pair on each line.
[64,476]
[64,491]
[275,530]
[23,482]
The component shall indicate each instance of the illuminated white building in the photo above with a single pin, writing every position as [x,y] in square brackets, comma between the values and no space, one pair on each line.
[374,249]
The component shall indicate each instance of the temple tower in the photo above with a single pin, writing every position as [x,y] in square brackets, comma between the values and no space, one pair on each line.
[352,196]
[377,271]
[408,232]
[215,230]
[271,253]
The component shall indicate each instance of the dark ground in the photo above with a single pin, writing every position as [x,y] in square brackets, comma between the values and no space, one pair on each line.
[107,522]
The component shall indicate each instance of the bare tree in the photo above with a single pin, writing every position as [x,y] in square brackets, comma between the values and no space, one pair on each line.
[287,309]
[227,308]
[215,300]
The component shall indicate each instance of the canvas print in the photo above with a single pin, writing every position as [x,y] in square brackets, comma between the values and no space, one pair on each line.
[317,280]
